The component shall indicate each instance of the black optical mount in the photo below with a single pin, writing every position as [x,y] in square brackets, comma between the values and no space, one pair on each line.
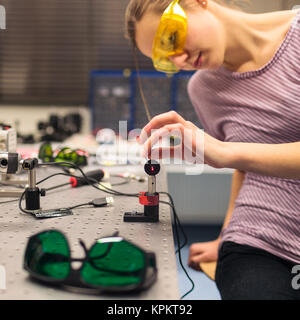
[32,192]
[149,199]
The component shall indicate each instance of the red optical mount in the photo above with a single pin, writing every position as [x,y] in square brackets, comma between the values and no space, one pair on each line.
[149,199]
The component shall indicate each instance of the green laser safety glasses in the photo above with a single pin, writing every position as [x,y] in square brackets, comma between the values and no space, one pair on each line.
[112,264]
[76,156]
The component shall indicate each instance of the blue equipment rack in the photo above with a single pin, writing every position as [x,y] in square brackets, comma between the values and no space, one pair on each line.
[114,96]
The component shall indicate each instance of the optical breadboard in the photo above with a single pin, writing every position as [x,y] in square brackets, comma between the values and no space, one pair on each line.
[88,224]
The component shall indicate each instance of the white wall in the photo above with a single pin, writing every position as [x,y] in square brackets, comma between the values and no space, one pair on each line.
[29,116]
[200,199]
[258,6]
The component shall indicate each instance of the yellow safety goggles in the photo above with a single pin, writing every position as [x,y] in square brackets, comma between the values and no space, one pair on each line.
[170,38]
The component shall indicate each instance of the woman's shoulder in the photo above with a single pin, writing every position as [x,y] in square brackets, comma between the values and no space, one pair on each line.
[195,83]
[204,81]
[199,79]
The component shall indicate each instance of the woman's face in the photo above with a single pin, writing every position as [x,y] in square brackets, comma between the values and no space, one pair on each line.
[205,41]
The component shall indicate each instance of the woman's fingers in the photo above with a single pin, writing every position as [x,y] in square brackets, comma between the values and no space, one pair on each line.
[165,153]
[176,130]
[202,252]
[195,249]
[194,141]
[190,148]
[160,121]
[194,261]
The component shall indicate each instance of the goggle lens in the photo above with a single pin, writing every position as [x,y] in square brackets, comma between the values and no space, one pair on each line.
[77,156]
[114,264]
[48,254]
[170,38]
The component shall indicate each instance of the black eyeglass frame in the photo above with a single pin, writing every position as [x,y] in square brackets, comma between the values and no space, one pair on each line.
[74,280]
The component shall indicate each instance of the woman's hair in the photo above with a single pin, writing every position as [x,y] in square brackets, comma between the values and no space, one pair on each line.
[137,8]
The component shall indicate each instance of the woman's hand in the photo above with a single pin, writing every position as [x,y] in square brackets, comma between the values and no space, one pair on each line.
[195,146]
[203,252]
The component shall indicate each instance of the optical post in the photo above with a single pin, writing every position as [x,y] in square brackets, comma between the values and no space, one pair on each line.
[32,192]
[11,163]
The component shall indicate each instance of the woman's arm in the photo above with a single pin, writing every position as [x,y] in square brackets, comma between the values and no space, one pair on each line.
[277,160]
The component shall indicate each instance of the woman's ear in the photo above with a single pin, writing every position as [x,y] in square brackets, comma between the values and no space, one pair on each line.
[203,3]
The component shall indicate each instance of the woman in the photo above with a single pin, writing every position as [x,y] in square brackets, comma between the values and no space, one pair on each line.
[247,97]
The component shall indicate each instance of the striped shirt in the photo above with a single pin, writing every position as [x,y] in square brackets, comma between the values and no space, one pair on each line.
[260,106]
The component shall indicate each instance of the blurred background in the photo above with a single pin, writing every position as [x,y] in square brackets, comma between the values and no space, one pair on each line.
[50,47]
[66,64]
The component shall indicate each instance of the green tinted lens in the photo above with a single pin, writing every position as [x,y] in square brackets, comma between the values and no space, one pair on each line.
[81,161]
[48,254]
[114,264]
[63,155]
[46,152]
[67,154]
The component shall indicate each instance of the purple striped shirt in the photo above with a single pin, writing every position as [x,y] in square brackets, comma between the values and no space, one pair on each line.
[261,106]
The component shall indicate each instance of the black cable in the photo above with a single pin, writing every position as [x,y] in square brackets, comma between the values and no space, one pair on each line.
[20,204]
[98,202]
[92,181]
[115,192]
[89,180]
[80,205]
[57,174]
[179,248]
[178,221]
[127,180]
[58,186]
